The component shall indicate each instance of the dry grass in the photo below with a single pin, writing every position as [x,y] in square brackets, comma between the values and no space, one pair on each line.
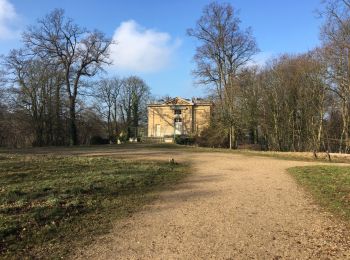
[50,205]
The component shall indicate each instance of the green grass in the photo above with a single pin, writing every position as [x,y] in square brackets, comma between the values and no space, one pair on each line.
[50,205]
[330,186]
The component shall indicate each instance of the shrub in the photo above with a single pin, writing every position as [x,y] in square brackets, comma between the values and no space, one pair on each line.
[123,138]
[213,137]
[184,140]
[98,140]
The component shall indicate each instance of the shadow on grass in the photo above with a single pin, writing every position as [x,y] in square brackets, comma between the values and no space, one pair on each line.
[51,205]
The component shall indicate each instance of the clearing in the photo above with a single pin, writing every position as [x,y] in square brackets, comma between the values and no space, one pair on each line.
[50,205]
[232,206]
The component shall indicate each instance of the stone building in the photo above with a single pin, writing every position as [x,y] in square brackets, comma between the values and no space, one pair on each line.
[178,116]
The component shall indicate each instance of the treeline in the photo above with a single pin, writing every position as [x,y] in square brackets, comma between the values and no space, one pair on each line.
[293,103]
[50,94]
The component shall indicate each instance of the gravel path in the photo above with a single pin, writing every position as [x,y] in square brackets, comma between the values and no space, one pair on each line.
[231,207]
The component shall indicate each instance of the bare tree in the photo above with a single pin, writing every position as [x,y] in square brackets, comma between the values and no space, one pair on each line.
[224,50]
[251,94]
[107,95]
[36,85]
[293,103]
[135,94]
[336,40]
[78,51]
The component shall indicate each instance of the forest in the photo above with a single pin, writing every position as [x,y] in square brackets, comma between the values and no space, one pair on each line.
[53,91]
[295,102]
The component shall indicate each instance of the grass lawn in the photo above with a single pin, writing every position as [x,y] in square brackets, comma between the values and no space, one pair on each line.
[50,205]
[330,185]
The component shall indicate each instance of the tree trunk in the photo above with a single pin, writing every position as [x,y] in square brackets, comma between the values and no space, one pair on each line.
[58,137]
[73,138]
[109,125]
[232,137]
[234,140]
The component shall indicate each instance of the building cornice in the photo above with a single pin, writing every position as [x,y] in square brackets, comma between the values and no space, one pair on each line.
[178,101]
[189,105]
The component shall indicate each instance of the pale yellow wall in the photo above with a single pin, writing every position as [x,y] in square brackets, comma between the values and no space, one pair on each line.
[202,118]
[187,120]
[164,116]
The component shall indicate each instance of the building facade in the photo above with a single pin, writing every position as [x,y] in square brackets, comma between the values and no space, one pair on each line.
[178,116]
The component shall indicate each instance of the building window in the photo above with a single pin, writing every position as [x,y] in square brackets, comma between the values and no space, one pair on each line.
[177,111]
[178,120]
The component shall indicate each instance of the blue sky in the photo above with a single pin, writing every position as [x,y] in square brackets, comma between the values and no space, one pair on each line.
[152,34]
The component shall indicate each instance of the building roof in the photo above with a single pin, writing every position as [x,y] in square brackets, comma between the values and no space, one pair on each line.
[182,101]
[178,101]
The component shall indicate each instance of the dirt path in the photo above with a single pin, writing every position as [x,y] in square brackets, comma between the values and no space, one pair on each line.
[232,207]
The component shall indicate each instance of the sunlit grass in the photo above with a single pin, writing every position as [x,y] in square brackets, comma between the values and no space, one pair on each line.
[49,204]
[330,186]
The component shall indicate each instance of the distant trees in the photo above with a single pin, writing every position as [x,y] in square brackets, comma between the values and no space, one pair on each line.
[336,46]
[224,49]
[293,103]
[134,97]
[123,104]
[107,103]
[36,92]
[79,53]
[46,97]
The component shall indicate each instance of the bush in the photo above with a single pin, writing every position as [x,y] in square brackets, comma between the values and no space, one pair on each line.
[98,140]
[213,137]
[184,140]
[123,138]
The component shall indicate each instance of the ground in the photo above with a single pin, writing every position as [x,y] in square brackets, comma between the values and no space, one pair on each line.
[232,207]
[50,205]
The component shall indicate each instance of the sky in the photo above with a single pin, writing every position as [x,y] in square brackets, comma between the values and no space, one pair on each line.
[151,35]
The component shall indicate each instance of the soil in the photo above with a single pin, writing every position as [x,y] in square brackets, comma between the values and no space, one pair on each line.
[231,207]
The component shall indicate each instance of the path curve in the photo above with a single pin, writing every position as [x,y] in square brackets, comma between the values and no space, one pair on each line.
[232,207]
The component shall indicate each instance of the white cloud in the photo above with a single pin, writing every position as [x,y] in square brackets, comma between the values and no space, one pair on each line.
[8,16]
[139,49]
